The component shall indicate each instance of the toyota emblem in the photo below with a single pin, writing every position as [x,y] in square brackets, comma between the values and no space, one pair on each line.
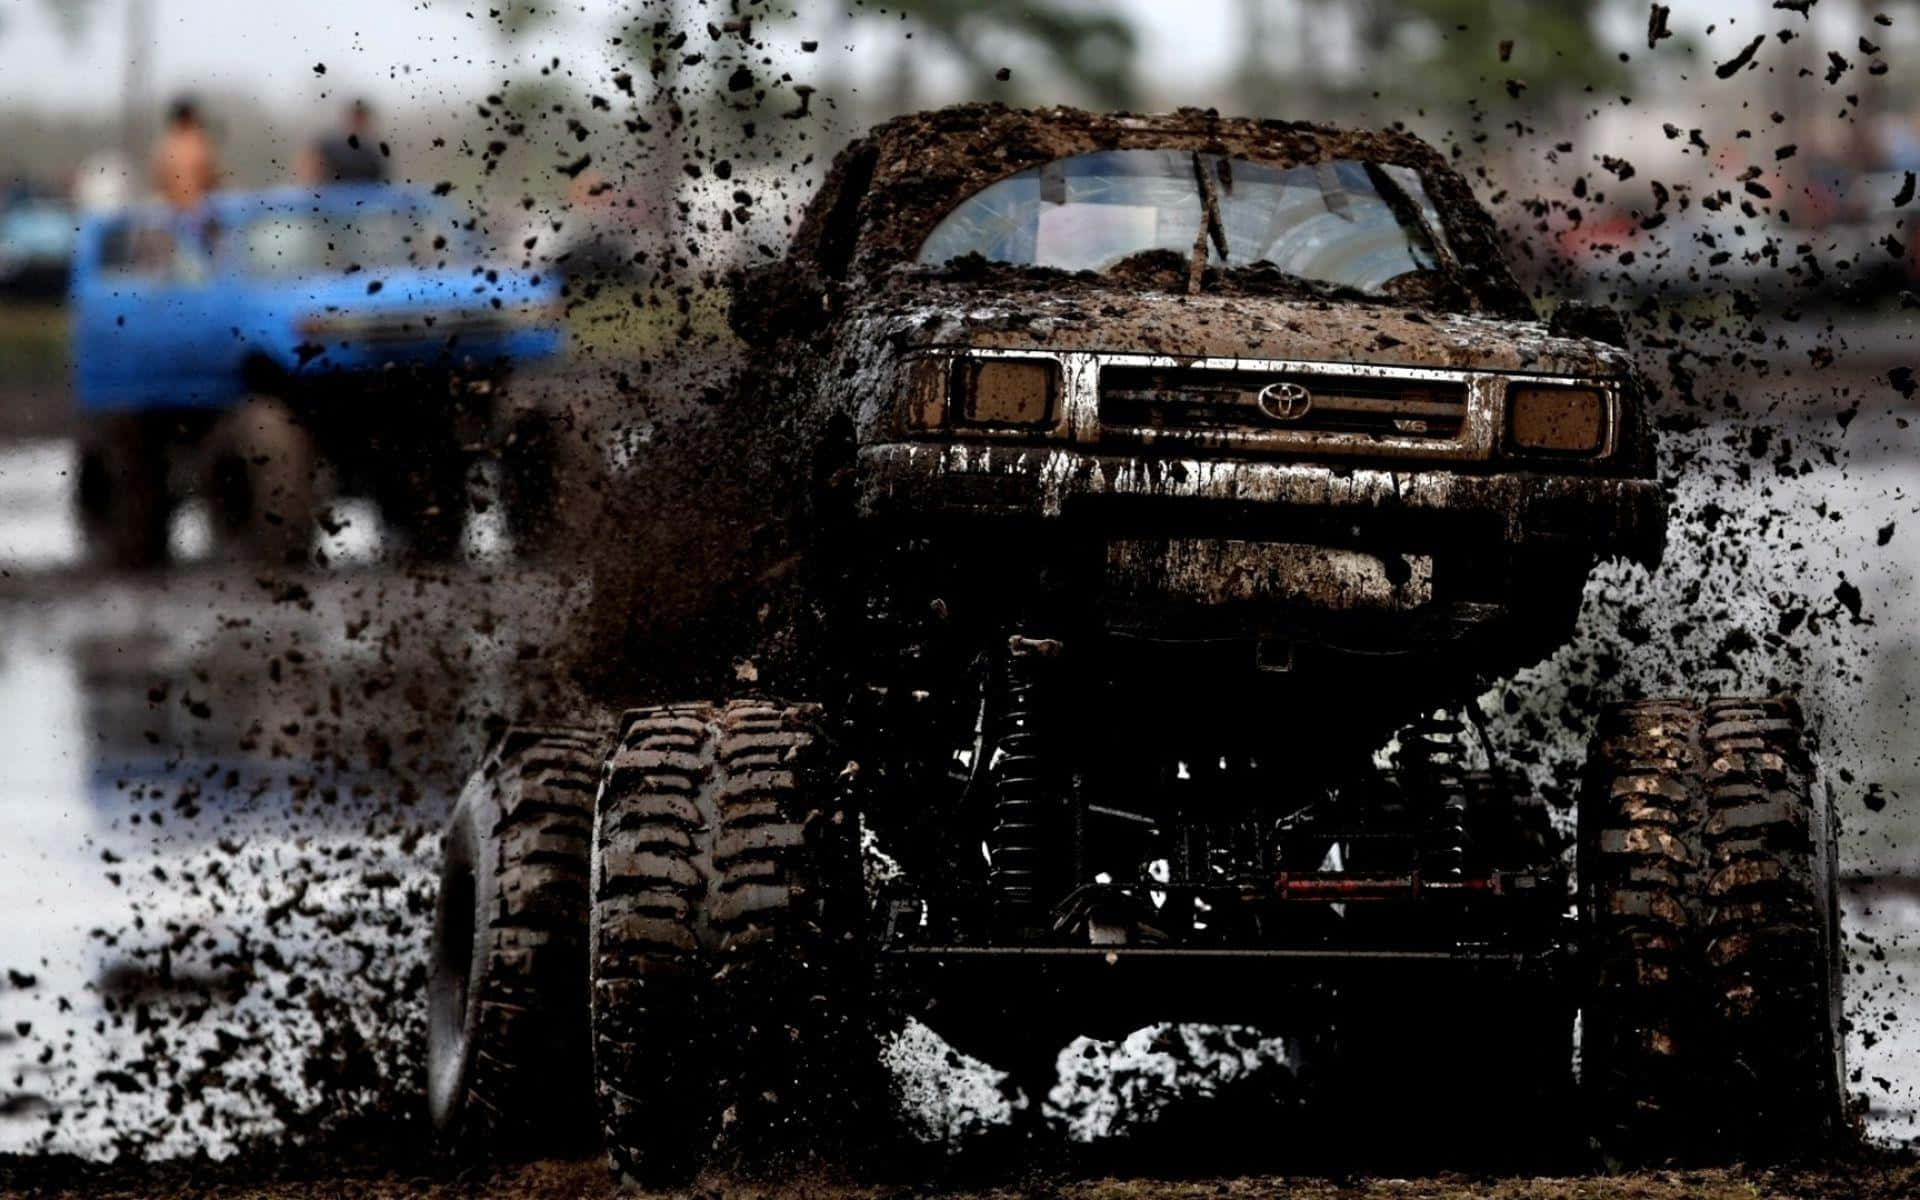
[1285,401]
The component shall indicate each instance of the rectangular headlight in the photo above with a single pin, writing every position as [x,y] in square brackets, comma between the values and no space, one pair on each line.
[1002,391]
[927,380]
[1557,419]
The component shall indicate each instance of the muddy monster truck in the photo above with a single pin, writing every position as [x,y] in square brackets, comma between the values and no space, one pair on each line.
[1137,479]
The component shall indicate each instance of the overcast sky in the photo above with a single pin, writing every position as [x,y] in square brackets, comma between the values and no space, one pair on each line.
[417,51]
[395,50]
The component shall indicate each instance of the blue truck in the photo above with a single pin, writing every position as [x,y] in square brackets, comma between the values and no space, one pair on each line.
[272,348]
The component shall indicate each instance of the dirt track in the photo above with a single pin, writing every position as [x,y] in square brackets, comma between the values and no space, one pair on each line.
[587,1178]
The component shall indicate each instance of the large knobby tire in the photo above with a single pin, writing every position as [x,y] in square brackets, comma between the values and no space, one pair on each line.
[1640,813]
[1772,921]
[260,483]
[1711,1025]
[726,892]
[121,494]
[508,1068]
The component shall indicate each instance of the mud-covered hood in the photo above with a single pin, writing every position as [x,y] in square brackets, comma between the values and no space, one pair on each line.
[1111,321]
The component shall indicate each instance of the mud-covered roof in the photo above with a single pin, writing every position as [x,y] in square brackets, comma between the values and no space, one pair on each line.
[887,190]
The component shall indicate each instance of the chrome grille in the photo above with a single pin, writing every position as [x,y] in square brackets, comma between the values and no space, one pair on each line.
[1143,401]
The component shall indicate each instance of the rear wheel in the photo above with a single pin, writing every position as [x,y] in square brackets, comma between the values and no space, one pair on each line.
[1512,1036]
[1521,1038]
[424,494]
[725,894]
[260,483]
[121,493]
[1509,823]
[507,1061]
[1707,891]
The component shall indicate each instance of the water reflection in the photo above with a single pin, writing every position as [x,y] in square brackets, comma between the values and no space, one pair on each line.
[223,796]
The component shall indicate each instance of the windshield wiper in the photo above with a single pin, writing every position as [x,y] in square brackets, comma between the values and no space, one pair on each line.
[1210,225]
[1406,208]
[1333,193]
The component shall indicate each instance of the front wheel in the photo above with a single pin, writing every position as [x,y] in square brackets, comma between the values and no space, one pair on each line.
[507,1067]
[725,901]
[1708,894]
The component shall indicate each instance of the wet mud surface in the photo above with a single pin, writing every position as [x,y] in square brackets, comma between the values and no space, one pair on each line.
[586,1179]
[221,857]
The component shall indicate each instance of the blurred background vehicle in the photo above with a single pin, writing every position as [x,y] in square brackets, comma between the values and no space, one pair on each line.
[36,247]
[233,349]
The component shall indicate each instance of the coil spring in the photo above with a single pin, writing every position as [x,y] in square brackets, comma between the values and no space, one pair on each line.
[1025,841]
[1431,768]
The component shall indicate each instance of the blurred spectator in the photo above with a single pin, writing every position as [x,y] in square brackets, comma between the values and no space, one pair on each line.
[350,156]
[185,166]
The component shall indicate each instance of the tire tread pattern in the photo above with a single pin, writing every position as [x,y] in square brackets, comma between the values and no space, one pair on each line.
[1766,925]
[1638,856]
[525,1087]
[1706,883]
[701,865]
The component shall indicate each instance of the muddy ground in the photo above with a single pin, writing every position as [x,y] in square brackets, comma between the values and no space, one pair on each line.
[587,1178]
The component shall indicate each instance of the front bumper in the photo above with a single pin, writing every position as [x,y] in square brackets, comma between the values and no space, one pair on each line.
[1603,516]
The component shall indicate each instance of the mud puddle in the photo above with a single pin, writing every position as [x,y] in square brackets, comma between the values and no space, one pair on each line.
[586,1179]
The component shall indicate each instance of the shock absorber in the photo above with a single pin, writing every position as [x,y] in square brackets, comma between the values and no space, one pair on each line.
[1027,836]
[1431,766]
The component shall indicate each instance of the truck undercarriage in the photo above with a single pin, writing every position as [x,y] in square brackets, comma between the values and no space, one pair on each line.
[1185,823]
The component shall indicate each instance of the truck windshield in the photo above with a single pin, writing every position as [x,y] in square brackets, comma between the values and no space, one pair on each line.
[1342,223]
[304,243]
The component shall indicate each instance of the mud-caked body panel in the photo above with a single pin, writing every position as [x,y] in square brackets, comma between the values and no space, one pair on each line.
[1198,449]
[1154,497]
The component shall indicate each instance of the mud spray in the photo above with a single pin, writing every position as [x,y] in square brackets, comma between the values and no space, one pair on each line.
[255,981]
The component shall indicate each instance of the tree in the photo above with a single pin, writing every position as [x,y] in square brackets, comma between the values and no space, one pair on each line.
[1093,50]
[72,16]
[1445,53]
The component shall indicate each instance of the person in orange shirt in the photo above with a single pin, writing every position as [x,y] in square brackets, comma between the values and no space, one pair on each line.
[185,166]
